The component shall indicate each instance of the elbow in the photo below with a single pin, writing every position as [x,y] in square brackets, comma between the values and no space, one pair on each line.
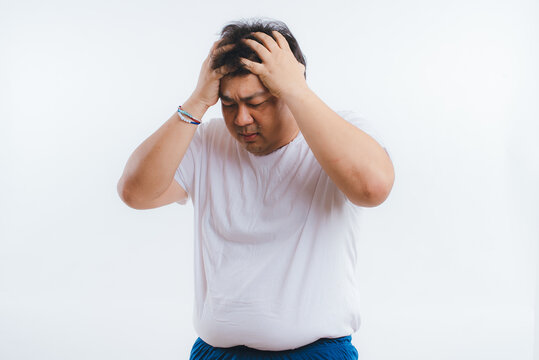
[379,191]
[123,192]
[378,194]
[369,198]
[375,192]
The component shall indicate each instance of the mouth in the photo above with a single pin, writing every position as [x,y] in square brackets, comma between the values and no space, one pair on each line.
[249,136]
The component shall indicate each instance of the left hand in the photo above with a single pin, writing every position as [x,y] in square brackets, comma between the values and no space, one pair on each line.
[280,71]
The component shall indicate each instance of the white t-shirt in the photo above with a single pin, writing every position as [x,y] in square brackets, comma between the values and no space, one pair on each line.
[275,243]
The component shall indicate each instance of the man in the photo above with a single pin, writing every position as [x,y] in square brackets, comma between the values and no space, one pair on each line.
[276,200]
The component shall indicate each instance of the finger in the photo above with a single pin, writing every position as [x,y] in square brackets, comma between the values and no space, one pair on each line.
[260,49]
[225,70]
[223,49]
[267,40]
[281,40]
[252,66]
[217,51]
[214,46]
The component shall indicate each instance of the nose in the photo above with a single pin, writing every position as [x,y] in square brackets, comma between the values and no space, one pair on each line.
[243,117]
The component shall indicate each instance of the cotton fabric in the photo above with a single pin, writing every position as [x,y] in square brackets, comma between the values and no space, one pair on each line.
[275,251]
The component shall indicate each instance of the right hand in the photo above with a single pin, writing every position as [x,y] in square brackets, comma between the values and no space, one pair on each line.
[207,89]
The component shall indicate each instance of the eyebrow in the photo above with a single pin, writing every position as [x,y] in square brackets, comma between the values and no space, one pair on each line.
[247,98]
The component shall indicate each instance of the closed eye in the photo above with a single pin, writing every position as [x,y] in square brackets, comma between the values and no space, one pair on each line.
[250,105]
[255,105]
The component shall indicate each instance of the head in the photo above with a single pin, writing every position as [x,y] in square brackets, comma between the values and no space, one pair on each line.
[247,105]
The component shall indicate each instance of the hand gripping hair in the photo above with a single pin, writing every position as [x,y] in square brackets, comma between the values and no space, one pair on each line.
[233,32]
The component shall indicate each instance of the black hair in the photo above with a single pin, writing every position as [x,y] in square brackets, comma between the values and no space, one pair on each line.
[233,32]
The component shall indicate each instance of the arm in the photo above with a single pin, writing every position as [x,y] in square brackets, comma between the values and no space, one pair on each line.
[149,172]
[355,162]
[148,177]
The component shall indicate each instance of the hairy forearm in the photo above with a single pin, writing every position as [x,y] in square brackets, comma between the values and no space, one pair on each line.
[357,164]
[151,167]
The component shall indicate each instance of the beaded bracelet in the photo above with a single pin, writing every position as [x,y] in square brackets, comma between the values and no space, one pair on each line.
[191,120]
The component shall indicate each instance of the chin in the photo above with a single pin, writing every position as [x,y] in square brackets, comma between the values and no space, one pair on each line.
[255,150]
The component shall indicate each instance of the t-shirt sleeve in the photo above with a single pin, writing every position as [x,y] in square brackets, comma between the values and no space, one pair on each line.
[185,173]
[364,125]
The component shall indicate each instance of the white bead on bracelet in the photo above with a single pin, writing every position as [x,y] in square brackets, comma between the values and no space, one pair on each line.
[191,120]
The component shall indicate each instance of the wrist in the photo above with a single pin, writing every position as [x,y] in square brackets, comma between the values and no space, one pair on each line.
[195,107]
[296,92]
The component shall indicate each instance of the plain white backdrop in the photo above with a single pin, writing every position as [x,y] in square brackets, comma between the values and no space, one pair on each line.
[448,262]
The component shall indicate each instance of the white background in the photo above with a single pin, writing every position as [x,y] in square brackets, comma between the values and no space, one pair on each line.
[448,262]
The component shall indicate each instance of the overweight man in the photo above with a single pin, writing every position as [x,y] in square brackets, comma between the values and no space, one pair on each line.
[278,185]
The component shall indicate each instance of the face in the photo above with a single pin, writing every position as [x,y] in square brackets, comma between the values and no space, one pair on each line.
[259,121]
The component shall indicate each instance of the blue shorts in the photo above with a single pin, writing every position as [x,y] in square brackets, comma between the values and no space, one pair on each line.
[322,349]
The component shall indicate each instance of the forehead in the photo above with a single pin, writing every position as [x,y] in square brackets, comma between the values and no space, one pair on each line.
[241,87]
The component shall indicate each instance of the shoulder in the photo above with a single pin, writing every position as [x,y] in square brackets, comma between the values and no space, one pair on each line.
[353,117]
[215,139]
[210,131]
[211,126]
[368,126]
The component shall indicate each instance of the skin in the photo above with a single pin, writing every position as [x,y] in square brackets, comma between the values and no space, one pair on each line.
[356,163]
[148,178]
[249,107]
